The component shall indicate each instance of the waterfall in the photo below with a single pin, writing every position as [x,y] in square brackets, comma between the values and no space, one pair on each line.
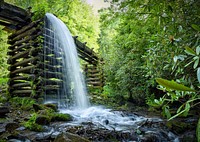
[61,66]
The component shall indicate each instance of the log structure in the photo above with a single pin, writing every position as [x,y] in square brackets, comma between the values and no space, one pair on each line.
[27,58]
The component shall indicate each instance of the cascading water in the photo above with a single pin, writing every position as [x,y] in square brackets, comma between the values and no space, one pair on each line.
[64,85]
[61,60]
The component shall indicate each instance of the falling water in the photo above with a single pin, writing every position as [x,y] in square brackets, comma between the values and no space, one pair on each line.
[61,54]
[64,84]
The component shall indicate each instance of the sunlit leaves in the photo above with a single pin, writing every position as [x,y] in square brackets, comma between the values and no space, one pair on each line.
[190,51]
[173,85]
[198,74]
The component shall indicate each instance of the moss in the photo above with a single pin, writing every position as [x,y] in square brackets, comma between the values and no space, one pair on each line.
[61,117]
[25,103]
[51,106]
[32,125]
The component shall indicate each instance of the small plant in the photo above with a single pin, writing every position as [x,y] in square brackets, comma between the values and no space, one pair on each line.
[30,124]
[61,117]
[24,103]
[175,93]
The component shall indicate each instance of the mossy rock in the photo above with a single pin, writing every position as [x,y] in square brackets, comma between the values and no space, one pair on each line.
[32,125]
[52,106]
[37,107]
[42,120]
[61,117]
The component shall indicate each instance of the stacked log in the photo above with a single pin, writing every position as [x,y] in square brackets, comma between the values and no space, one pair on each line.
[85,53]
[94,76]
[24,47]
[13,17]
[36,68]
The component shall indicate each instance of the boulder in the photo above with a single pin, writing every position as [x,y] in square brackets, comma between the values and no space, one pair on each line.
[52,106]
[10,127]
[69,137]
[37,107]
[42,120]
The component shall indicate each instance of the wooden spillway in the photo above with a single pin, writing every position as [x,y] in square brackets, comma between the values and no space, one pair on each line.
[26,56]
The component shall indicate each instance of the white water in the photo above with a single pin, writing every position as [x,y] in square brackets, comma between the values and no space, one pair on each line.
[106,118]
[75,87]
[74,82]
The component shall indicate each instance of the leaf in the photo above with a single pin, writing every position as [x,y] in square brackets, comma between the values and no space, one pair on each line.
[187,108]
[189,51]
[196,63]
[198,74]
[179,109]
[173,85]
[167,112]
[198,50]
[195,27]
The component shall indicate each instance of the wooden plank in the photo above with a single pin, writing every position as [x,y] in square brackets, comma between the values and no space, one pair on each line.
[28,69]
[25,28]
[25,40]
[29,32]
[20,48]
[23,54]
[14,9]
[28,77]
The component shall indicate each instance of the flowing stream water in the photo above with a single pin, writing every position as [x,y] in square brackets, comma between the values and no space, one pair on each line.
[72,97]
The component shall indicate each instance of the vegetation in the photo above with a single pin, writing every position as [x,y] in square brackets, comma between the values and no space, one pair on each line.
[144,40]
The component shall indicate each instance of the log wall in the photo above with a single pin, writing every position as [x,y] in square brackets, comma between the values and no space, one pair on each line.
[27,59]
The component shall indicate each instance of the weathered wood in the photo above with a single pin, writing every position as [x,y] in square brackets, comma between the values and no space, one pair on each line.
[50,67]
[25,40]
[49,74]
[51,87]
[50,82]
[14,9]
[83,47]
[85,55]
[25,28]
[93,79]
[25,62]
[28,69]
[12,19]
[7,20]
[29,32]
[95,83]
[28,77]
[92,71]
[21,93]
[25,84]
[24,54]
[87,60]
[20,48]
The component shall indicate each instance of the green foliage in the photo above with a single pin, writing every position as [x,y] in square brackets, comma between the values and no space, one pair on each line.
[144,40]
[76,14]
[3,57]
[173,85]
[24,103]
[30,124]
[175,93]
[61,117]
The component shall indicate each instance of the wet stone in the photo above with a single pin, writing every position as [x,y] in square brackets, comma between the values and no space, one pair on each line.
[10,127]
[3,111]
[69,137]
[42,120]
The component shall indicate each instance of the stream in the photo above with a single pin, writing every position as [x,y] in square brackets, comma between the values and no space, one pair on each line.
[136,128]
